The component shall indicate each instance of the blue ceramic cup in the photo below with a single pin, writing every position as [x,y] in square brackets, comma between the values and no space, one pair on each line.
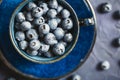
[36,59]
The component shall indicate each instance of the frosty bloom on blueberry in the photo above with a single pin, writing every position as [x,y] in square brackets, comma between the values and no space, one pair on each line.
[31,5]
[43,29]
[20,17]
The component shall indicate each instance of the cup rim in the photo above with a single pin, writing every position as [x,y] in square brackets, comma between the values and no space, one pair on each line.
[12,38]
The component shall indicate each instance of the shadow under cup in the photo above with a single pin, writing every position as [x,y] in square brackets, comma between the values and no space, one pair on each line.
[75,32]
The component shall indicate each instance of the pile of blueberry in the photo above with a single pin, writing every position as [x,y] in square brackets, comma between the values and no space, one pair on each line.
[43,28]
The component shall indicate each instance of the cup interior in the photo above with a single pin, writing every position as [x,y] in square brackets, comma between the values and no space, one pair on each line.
[75,32]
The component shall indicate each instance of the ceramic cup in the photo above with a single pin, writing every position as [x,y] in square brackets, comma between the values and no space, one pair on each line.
[41,60]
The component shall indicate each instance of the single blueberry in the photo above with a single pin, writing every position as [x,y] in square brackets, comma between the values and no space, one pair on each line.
[44,6]
[53,4]
[67,24]
[59,49]
[23,45]
[59,33]
[44,29]
[37,12]
[39,21]
[20,36]
[53,24]
[20,17]
[68,37]
[65,13]
[31,5]
[25,25]
[32,34]
[34,44]
[50,39]
[52,13]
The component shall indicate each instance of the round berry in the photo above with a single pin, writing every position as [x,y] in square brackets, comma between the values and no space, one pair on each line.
[52,13]
[65,13]
[53,4]
[76,77]
[39,21]
[44,47]
[25,25]
[50,39]
[23,45]
[105,65]
[32,34]
[34,44]
[59,33]
[31,5]
[59,9]
[20,17]
[44,7]
[44,29]
[67,24]
[37,12]
[29,16]
[53,24]
[59,49]
[32,52]
[106,7]
[68,37]
[20,36]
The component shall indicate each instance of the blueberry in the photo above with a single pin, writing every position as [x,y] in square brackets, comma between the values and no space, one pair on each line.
[64,43]
[23,45]
[44,29]
[68,37]
[37,12]
[67,24]
[44,47]
[53,24]
[59,33]
[50,39]
[53,4]
[20,17]
[52,13]
[34,44]
[48,54]
[32,52]
[32,34]
[29,16]
[17,26]
[65,13]
[25,25]
[106,7]
[20,36]
[39,21]
[59,49]
[59,9]
[31,5]
[76,77]
[105,65]
[44,7]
